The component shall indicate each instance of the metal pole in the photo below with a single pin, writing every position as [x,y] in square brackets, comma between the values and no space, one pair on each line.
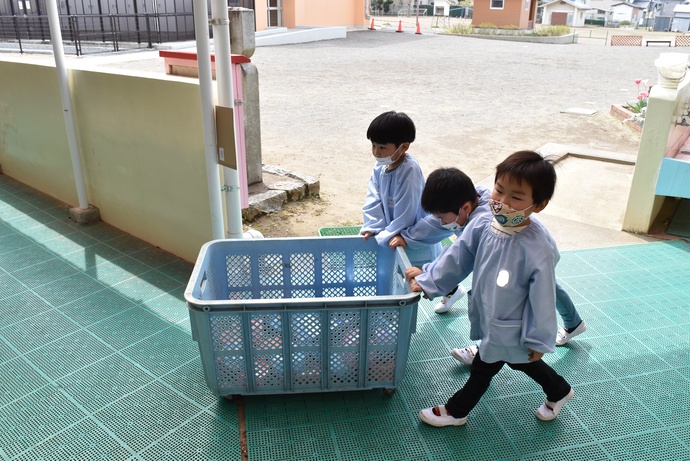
[416,2]
[207,116]
[221,42]
[67,111]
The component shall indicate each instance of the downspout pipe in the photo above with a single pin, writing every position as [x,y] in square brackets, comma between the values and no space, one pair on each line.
[221,42]
[208,117]
[65,97]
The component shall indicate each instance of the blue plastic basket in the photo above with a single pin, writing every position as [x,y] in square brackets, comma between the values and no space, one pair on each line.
[308,314]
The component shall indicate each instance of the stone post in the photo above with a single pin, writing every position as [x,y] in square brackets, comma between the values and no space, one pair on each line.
[242,41]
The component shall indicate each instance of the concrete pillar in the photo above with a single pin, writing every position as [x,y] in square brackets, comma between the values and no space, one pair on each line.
[242,41]
[643,203]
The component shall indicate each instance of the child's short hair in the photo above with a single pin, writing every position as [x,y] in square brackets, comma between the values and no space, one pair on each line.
[530,166]
[391,127]
[446,190]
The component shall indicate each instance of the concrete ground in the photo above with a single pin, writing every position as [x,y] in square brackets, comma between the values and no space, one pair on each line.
[474,102]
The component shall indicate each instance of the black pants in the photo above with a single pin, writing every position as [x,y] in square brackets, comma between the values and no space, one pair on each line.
[459,405]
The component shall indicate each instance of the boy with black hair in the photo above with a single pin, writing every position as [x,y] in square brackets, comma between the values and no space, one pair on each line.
[511,305]
[395,187]
[450,198]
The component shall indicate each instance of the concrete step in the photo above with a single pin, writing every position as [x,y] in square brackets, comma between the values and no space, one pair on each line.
[278,187]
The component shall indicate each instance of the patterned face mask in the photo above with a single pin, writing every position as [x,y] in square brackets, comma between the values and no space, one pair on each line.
[505,215]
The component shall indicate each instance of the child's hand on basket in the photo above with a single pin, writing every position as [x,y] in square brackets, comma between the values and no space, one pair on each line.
[412,272]
[397,241]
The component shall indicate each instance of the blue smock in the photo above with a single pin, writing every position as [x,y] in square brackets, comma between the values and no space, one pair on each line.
[392,204]
[511,307]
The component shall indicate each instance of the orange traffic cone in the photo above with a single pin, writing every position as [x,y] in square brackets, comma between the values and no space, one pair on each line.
[419,30]
[399,26]
[371,27]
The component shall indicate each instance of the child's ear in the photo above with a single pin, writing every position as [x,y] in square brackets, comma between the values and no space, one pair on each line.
[539,207]
[404,146]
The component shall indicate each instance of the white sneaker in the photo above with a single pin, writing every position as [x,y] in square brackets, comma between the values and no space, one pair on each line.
[439,417]
[549,410]
[562,337]
[465,355]
[448,301]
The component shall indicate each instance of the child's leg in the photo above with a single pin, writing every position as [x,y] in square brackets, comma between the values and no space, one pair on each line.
[481,373]
[448,300]
[566,308]
[573,325]
[556,388]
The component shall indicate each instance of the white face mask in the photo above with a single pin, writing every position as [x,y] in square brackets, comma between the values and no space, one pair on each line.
[507,216]
[388,160]
[452,226]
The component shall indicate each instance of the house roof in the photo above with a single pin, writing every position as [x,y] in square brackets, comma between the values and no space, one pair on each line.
[578,5]
[682,8]
[628,5]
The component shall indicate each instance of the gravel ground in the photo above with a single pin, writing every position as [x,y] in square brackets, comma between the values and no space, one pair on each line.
[474,102]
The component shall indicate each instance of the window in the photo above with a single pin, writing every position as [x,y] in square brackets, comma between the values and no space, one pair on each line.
[497,4]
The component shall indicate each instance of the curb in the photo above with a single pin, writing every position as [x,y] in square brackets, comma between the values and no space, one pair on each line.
[278,187]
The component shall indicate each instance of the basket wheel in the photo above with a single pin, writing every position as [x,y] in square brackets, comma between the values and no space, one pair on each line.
[388,392]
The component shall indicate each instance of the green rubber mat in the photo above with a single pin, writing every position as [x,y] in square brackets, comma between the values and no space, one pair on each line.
[97,362]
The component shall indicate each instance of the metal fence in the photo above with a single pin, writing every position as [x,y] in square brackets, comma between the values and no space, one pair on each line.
[100,25]
[103,32]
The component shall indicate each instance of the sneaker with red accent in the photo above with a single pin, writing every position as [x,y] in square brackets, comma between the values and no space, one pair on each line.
[439,417]
[465,355]
[549,410]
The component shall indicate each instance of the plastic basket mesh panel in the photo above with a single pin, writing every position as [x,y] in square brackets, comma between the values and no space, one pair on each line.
[269,371]
[271,270]
[305,329]
[306,338]
[381,367]
[230,374]
[344,368]
[334,292]
[226,332]
[239,270]
[345,329]
[383,328]
[364,267]
[227,335]
[333,267]
[306,369]
[267,335]
[302,269]
[267,331]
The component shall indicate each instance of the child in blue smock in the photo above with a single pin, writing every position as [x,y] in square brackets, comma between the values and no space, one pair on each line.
[448,190]
[395,187]
[511,306]
[451,199]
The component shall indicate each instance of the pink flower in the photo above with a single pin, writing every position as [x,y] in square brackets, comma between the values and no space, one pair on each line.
[644,94]
[639,96]
[638,81]
[645,83]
